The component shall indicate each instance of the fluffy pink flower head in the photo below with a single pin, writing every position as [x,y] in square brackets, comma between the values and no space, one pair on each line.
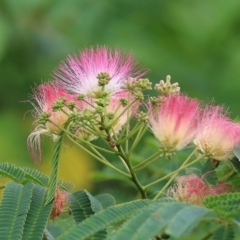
[175,121]
[78,74]
[189,188]
[45,95]
[192,189]
[217,135]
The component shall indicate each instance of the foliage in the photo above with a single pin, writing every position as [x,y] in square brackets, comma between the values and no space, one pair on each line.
[97,100]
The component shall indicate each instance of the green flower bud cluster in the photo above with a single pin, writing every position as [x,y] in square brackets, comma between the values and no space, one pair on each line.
[44,117]
[103,79]
[167,87]
[59,104]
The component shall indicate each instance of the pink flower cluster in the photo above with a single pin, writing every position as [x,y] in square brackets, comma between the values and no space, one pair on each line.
[176,122]
[78,75]
[193,189]
[180,120]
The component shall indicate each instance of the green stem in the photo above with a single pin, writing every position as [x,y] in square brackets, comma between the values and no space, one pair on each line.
[128,125]
[125,109]
[174,172]
[133,175]
[53,179]
[174,175]
[100,159]
[86,142]
[146,162]
[131,133]
[138,138]
[227,176]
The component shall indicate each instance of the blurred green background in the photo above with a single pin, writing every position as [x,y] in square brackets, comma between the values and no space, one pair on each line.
[196,42]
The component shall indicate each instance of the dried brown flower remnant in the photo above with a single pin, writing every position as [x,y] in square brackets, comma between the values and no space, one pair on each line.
[60,203]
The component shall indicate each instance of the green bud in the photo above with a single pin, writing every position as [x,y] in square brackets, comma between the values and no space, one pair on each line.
[80,96]
[110,116]
[43,118]
[139,96]
[103,79]
[130,85]
[102,102]
[74,117]
[143,117]
[59,104]
[99,109]
[87,115]
[144,84]
[124,102]
[71,105]
[166,87]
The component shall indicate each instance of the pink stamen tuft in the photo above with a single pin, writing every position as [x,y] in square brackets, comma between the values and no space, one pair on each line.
[175,122]
[218,135]
[78,74]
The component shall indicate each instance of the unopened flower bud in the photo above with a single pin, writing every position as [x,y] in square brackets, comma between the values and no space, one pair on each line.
[103,78]
[166,87]
[60,203]
[43,118]
[80,96]
[71,105]
[143,84]
[142,116]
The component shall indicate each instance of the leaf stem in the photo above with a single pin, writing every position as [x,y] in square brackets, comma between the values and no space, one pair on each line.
[133,175]
[174,172]
[100,158]
[146,162]
[174,175]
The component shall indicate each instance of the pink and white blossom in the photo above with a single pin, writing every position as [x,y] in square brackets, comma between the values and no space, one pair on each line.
[175,122]
[189,188]
[218,135]
[193,189]
[78,74]
[45,95]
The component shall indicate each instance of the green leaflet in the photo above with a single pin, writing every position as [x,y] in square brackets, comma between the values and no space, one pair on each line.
[23,175]
[106,200]
[53,180]
[37,216]
[13,210]
[12,172]
[185,220]
[35,176]
[22,212]
[209,173]
[83,205]
[236,164]
[148,222]
[80,206]
[102,219]
[224,233]
[226,205]
[237,151]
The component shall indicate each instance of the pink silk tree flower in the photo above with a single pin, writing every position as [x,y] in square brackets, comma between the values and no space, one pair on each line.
[218,135]
[78,74]
[174,123]
[45,95]
[60,203]
[189,188]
